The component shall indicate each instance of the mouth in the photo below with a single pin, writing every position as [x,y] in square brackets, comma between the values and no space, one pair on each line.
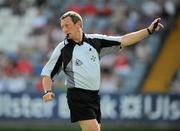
[67,35]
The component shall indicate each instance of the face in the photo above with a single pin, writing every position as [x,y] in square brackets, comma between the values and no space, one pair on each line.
[68,27]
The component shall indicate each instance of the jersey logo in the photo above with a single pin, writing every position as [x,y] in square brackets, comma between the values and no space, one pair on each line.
[93,58]
[78,62]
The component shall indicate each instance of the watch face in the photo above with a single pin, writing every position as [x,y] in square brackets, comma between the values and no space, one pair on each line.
[47,91]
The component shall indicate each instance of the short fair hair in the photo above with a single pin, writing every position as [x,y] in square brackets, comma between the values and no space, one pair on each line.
[75,17]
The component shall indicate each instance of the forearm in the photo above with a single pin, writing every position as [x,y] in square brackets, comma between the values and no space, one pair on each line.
[134,37]
[47,83]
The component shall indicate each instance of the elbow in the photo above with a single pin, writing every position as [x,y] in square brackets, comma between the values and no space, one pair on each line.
[45,77]
[124,41]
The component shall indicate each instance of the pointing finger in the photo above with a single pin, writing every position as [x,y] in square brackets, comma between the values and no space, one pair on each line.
[160,25]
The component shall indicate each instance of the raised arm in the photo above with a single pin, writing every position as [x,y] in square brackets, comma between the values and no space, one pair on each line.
[137,36]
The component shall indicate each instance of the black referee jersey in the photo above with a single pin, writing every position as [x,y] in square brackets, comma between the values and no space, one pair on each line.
[80,62]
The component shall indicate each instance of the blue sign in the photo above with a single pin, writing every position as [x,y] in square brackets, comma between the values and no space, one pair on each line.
[114,107]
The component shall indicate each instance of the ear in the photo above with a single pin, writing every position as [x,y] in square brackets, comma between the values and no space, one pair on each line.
[79,24]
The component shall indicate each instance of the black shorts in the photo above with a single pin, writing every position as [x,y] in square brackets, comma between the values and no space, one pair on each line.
[83,104]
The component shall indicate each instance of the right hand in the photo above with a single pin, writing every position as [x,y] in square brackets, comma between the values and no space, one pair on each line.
[48,96]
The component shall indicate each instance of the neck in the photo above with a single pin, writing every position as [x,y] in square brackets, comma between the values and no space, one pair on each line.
[78,37]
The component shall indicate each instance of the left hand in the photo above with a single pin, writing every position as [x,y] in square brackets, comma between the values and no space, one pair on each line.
[155,25]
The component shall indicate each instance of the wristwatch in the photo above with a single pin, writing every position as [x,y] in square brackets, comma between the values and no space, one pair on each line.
[149,32]
[47,91]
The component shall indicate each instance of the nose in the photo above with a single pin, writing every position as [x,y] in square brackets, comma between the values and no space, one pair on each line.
[65,30]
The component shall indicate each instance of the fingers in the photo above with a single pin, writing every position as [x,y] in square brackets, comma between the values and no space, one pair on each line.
[157,20]
[161,25]
[155,24]
[48,97]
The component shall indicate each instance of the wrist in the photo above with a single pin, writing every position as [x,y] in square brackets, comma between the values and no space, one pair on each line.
[149,32]
[47,91]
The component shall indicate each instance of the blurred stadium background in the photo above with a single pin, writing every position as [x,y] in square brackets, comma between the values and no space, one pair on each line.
[140,85]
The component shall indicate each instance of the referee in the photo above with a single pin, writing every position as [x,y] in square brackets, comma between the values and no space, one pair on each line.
[78,56]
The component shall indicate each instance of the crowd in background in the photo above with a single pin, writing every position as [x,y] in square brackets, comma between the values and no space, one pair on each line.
[20,69]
